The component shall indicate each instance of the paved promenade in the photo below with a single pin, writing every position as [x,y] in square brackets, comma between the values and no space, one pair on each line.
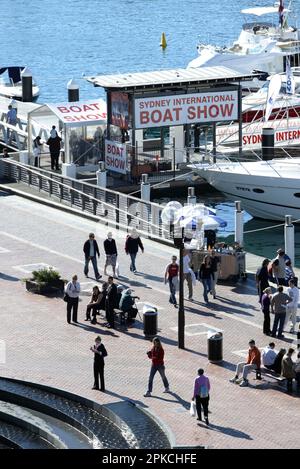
[42,347]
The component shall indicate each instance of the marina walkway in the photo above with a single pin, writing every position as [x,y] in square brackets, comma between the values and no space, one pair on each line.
[42,347]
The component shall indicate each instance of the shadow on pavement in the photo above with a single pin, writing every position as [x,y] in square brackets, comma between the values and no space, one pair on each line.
[97,330]
[9,278]
[227,431]
[226,365]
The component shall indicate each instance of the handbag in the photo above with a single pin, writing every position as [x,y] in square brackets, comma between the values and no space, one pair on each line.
[193,409]
[66,297]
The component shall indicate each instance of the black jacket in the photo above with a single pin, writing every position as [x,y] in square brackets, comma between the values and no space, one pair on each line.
[110,247]
[86,248]
[132,245]
[99,359]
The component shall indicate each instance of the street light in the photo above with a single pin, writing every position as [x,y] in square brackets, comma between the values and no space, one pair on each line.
[179,218]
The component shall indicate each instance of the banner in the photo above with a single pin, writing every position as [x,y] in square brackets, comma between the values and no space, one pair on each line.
[161,111]
[119,109]
[115,157]
[80,112]
[273,92]
[290,81]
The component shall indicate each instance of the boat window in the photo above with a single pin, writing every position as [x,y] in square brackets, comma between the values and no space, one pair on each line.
[260,191]
[297,194]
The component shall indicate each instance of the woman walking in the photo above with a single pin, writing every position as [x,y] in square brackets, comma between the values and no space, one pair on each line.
[132,245]
[265,307]
[72,291]
[201,394]
[206,277]
[156,354]
[262,278]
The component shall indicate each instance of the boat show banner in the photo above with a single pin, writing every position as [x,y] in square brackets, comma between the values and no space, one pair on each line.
[80,112]
[182,109]
[115,157]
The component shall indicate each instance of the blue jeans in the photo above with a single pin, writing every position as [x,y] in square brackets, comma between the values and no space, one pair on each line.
[161,370]
[132,257]
[172,287]
[206,282]
[94,262]
[278,318]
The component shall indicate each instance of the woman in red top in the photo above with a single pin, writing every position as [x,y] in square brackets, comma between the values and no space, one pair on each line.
[171,276]
[157,356]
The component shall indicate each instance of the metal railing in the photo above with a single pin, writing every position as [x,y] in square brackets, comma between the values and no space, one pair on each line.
[110,207]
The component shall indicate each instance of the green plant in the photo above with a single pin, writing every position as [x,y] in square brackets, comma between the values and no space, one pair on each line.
[45,275]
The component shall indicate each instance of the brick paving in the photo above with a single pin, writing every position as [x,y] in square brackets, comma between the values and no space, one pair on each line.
[42,347]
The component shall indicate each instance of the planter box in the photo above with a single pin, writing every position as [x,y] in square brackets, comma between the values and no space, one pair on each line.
[44,288]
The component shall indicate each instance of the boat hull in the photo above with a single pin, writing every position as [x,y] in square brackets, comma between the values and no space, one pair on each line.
[263,196]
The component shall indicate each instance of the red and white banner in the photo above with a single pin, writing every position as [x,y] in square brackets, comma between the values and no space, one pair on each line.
[182,109]
[80,112]
[115,157]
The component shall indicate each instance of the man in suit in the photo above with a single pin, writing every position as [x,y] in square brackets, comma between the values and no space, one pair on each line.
[100,353]
[111,302]
[91,250]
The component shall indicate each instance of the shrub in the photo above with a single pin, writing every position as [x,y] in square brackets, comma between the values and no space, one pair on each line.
[45,275]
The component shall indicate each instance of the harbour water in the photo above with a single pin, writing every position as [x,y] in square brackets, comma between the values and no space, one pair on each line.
[66,39]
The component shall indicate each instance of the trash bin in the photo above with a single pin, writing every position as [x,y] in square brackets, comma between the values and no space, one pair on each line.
[215,346]
[150,320]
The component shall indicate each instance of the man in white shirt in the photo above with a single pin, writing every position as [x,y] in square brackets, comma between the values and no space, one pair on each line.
[72,291]
[187,273]
[269,355]
[291,309]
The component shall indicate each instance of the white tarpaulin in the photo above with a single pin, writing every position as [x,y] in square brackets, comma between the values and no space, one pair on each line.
[81,112]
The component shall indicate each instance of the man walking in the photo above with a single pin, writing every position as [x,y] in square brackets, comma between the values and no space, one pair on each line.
[215,263]
[54,148]
[132,245]
[171,276]
[91,249]
[278,307]
[253,363]
[201,394]
[100,353]
[291,309]
[187,273]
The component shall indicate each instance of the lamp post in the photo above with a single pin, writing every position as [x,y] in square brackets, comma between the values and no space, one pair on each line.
[177,218]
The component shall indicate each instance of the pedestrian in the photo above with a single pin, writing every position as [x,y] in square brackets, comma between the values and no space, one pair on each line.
[171,276]
[287,369]
[156,354]
[278,307]
[54,144]
[37,150]
[111,302]
[110,249]
[72,291]
[53,132]
[11,119]
[201,394]
[187,272]
[132,245]
[253,363]
[94,305]
[289,272]
[91,250]
[292,307]
[100,353]
[262,278]
[205,275]
[265,307]
[215,263]
[279,270]
[276,367]
[269,355]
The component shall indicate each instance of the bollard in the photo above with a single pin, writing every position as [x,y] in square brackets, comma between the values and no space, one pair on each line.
[73,91]
[145,188]
[26,75]
[267,144]
[239,224]
[289,238]
[191,198]
[101,175]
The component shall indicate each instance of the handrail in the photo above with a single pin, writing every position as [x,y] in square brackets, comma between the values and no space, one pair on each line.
[92,198]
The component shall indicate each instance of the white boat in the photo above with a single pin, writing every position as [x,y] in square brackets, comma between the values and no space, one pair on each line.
[11,83]
[261,46]
[267,189]
[284,118]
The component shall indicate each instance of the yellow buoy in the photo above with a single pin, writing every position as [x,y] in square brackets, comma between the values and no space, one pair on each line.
[163,41]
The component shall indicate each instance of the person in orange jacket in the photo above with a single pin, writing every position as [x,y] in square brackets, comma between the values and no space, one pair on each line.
[253,363]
